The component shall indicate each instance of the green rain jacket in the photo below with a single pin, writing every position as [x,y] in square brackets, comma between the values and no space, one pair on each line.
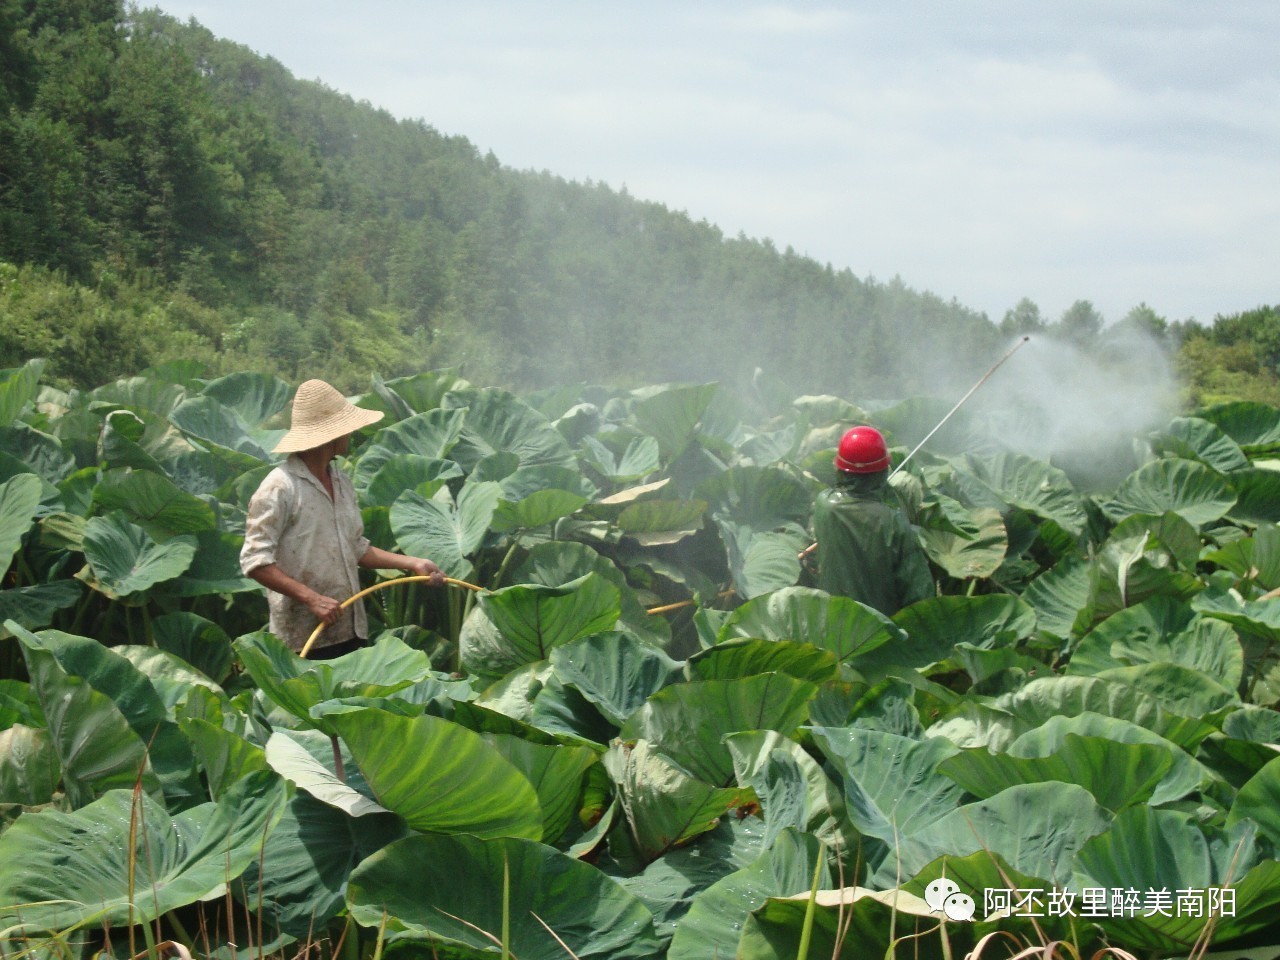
[866,548]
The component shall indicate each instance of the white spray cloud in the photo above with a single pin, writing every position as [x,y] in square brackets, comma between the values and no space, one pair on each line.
[1057,402]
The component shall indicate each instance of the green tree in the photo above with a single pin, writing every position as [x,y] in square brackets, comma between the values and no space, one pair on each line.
[1259,328]
[1022,319]
[1143,319]
[1080,323]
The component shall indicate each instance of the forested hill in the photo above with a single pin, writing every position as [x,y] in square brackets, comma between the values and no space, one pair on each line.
[167,194]
[203,200]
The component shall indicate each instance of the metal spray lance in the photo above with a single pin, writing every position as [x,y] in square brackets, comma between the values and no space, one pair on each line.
[972,390]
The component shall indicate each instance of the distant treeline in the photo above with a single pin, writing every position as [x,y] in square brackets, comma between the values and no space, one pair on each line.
[166,194]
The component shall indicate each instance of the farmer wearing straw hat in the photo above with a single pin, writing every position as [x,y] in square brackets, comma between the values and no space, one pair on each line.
[304,538]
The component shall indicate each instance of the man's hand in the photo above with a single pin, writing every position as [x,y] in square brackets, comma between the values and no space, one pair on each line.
[422,567]
[326,609]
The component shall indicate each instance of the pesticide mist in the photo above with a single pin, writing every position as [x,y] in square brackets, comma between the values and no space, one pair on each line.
[1081,410]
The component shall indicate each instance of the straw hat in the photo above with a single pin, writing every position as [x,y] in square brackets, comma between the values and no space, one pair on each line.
[321,414]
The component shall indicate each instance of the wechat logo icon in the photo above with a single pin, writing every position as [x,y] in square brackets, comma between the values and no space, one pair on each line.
[944,896]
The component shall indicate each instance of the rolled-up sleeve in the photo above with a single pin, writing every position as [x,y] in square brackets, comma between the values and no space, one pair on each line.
[268,511]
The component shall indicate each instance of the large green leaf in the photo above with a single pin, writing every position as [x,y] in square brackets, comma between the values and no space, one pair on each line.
[558,563]
[1252,619]
[656,522]
[1255,558]
[1250,736]
[299,881]
[126,859]
[29,769]
[663,805]
[450,891]
[200,642]
[763,562]
[1048,697]
[1161,630]
[408,471]
[1117,774]
[540,508]
[714,921]
[1259,800]
[668,885]
[1257,492]
[761,513]
[154,502]
[19,498]
[793,788]
[556,772]
[96,749]
[1194,438]
[523,481]
[535,619]
[439,776]
[34,607]
[1178,689]
[688,721]
[1031,484]
[429,435]
[225,756]
[1133,566]
[1186,774]
[291,754]
[498,422]
[640,458]
[122,443]
[1058,596]
[1196,492]
[747,657]
[985,621]
[673,415]
[972,555]
[298,685]
[1036,828]
[18,388]
[221,430]
[170,676]
[125,561]
[62,665]
[1255,426]
[892,784]
[255,397]
[215,569]
[30,449]
[845,627]
[1168,532]
[614,671]
[443,529]
[1165,850]
[147,393]
[417,393]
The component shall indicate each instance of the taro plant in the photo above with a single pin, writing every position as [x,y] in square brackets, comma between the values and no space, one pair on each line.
[646,733]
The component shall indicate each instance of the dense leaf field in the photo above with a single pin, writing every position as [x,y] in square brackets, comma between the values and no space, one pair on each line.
[646,734]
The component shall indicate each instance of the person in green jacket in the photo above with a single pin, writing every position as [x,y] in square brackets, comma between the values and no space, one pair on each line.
[867,549]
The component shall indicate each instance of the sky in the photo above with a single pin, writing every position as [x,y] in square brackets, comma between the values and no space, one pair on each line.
[984,151]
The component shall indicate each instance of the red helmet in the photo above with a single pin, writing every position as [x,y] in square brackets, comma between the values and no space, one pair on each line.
[862,450]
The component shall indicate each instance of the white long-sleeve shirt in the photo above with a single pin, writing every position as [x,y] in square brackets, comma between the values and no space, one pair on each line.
[317,541]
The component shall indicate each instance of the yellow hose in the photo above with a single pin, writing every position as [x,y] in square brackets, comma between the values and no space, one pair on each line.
[306,647]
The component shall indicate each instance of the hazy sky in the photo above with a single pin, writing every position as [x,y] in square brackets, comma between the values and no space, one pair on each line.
[984,150]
